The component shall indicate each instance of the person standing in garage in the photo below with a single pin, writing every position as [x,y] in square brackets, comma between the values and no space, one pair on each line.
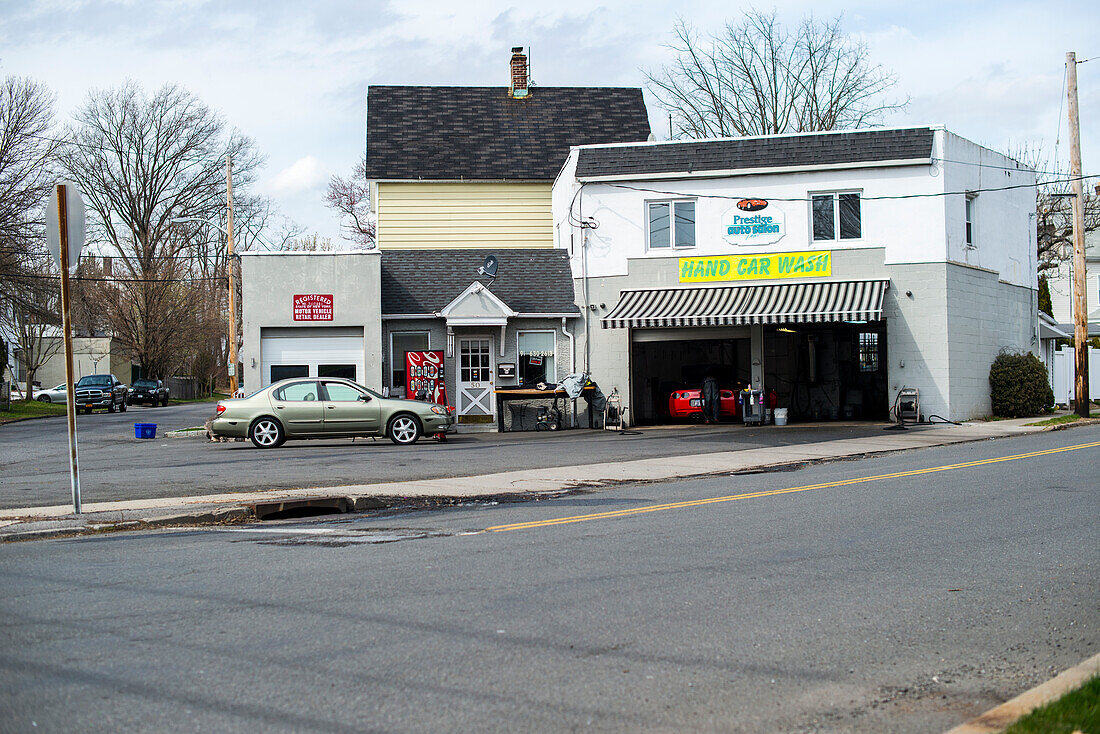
[711,395]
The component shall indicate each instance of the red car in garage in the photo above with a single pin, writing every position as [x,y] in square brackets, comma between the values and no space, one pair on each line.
[688,403]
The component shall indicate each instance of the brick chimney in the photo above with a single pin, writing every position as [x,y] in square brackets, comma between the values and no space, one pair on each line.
[519,73]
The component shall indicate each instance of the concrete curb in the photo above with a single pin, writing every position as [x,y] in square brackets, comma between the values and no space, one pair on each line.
[30,418]
[1000,718]
[184,434]
[36,522]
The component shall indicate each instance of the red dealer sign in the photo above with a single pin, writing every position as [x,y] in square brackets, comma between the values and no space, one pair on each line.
[313,307]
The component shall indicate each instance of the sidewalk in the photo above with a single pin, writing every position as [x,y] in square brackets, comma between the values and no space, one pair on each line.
[35,522]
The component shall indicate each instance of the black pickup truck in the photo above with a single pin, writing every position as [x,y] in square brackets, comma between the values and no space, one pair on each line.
[100,391]
[153,392]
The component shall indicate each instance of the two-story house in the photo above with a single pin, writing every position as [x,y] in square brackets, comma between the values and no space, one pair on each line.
[834,268]
[457,175]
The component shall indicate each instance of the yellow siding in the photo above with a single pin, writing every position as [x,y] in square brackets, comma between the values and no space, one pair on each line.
[441,215]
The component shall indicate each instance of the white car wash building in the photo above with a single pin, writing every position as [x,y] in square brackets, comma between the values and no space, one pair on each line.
[834,268]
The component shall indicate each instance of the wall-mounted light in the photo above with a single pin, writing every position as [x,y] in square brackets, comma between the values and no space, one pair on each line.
[253,363]
[909,293]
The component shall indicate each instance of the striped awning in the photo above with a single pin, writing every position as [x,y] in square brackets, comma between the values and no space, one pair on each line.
[794,303]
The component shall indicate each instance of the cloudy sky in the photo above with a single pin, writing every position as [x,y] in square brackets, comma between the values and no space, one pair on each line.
[293,75]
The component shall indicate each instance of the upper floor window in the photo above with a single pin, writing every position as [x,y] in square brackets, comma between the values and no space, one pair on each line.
[836,216]
[970,199]
[671,224]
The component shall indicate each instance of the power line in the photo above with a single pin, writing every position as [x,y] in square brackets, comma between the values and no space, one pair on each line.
[1023,169]
[119,280]
[862,198]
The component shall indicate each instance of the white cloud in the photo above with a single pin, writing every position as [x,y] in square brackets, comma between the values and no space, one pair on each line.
[302,175]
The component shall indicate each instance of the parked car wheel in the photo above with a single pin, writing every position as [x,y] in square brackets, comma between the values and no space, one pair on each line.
[111,407]
[404,430]
[164,402]
[266,433]
[44,399]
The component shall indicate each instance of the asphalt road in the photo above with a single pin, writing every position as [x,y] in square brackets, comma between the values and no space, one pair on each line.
[900,603]
[34,469]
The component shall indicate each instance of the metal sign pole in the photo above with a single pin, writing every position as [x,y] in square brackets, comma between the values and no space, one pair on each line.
[66,326]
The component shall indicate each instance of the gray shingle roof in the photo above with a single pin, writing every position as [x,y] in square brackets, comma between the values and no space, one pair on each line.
[482,133]
[425,281]
[767,152]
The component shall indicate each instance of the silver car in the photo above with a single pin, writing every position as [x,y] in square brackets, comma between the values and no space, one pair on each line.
[326,407]
[53,395]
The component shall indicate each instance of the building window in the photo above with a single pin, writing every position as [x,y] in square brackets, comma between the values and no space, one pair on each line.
[347,371]
[868,351]
[401,342]
[970,219]
[671,224]
[287,371]
[536,357]
[836,213]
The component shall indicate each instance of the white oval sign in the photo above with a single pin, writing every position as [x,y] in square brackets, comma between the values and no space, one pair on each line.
[74,220]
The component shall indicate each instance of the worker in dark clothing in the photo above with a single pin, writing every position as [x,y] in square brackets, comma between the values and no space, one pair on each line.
[711,396]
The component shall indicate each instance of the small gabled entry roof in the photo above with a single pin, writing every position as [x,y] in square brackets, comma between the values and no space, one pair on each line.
[477,306]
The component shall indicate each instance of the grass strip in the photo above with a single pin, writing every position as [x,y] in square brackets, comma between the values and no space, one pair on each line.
[21,409]
[1076,711]
[1060,420]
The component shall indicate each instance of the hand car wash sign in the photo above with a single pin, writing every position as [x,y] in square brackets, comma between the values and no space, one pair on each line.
[753,222]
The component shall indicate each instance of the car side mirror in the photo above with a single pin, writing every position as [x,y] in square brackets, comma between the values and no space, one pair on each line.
[364,398]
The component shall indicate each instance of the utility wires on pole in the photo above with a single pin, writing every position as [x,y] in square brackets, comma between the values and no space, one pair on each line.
[1080,300]
[232,281]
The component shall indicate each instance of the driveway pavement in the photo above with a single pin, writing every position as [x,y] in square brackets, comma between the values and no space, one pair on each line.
[115,466]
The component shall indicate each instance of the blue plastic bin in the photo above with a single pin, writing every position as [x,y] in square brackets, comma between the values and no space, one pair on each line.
[145,430]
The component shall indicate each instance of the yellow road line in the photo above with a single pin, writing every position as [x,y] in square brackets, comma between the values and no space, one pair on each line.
[789,490]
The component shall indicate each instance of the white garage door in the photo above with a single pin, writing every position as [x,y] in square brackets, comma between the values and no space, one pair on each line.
[311,356]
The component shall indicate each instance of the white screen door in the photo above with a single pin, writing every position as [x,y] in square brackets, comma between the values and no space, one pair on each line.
[475,390]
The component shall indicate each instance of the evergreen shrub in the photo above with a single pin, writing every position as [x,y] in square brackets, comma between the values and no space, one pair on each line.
[1018,386]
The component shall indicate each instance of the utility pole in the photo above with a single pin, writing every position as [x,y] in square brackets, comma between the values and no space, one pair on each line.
[1080,300]
[232,281]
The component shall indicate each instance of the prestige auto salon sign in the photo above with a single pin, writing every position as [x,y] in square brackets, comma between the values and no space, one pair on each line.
[753,222]
[313,307]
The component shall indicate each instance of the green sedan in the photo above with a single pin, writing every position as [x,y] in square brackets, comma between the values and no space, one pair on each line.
[326,407]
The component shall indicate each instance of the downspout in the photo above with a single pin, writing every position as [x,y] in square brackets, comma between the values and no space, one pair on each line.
[572,345]
[584,261]
[573,364]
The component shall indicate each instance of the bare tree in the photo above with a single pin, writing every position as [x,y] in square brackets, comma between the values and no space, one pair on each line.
[32,322]
[351,198]
[1053,209]
[26,171]
[758,78]
[28,286]
[311,243]
[140,162]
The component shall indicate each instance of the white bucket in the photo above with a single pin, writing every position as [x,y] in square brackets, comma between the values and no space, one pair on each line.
[780,416]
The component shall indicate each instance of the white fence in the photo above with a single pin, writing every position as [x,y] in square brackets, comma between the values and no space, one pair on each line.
[1062,375]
